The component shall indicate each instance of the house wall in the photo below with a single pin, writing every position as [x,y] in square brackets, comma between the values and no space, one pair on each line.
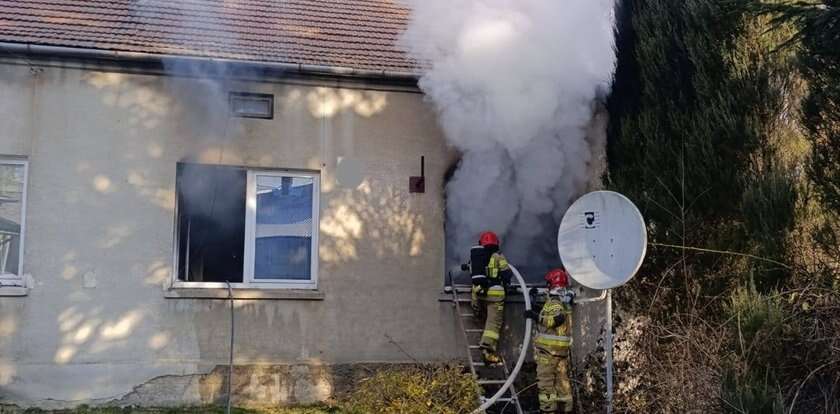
[97,326]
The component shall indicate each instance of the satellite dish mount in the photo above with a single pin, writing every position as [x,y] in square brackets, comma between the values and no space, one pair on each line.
[602,242]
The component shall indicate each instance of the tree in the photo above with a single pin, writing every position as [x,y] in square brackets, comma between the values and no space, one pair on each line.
[818,34]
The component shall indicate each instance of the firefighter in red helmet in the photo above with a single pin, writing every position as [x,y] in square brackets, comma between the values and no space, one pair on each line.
[553,342]
[490,277]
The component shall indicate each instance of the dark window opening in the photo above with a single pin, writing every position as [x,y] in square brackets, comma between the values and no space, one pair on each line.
[211,223]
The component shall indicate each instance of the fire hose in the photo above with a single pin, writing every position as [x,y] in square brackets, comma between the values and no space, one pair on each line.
[526,341]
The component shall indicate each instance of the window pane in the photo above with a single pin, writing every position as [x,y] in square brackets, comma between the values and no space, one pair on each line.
[283,247]
[11,213]
[211,223]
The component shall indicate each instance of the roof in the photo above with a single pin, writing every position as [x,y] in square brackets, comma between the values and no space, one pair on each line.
[355,34]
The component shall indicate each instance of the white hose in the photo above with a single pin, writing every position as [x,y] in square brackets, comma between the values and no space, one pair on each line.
[230,360]
[525,343]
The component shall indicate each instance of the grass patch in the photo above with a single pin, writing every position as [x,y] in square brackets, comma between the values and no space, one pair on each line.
[322,409]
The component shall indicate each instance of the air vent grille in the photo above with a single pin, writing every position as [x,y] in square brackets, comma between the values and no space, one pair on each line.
[252,105]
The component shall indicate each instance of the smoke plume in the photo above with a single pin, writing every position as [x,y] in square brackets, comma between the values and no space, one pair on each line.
[515,83]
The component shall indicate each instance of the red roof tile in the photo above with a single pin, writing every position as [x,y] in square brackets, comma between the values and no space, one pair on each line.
[356,34]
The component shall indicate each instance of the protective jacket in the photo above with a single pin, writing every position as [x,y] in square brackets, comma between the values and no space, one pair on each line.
[554,328]
[488,267]
[490,276]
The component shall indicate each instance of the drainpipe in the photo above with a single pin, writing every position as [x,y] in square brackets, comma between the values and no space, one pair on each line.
[230,358]
[143,57]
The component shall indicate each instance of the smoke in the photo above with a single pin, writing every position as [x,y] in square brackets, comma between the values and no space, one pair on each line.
[515,83]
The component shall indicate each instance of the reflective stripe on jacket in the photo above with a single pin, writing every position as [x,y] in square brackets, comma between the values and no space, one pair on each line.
[550,335]
[492,294]
[495,294]
[553,341]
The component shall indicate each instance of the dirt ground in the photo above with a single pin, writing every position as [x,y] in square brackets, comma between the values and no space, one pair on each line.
[195,410]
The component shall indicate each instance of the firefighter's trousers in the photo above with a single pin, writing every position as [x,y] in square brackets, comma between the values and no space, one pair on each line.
[489,306]
[555,388]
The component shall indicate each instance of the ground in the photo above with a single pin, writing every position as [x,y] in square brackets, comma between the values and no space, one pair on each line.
[199,410]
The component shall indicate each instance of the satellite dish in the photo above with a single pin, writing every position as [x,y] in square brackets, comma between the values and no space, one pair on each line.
[602,240]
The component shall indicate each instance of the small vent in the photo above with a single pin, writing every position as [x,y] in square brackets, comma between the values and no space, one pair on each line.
[252,105]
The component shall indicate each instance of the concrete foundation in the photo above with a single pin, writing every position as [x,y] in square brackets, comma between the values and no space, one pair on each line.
[254,386]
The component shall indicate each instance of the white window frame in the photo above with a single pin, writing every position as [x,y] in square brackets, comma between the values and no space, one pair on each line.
[9,279]
[248,280]
[251,224]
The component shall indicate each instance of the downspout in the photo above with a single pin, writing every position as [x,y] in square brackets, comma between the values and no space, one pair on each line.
[143,57]
[230,356]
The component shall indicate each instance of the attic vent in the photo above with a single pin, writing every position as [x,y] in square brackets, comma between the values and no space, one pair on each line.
[252,105]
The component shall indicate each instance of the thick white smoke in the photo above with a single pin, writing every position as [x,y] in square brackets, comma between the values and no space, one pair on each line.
[515,84]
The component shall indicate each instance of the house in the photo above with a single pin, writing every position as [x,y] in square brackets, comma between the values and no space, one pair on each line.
[151,152]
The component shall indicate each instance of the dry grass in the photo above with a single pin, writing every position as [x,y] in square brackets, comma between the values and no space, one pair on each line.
[447,390]
[190,410]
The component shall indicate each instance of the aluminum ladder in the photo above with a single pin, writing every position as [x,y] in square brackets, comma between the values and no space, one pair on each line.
[487,377]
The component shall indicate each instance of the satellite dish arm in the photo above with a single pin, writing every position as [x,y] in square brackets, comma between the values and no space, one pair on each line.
[526,341]
[598,298]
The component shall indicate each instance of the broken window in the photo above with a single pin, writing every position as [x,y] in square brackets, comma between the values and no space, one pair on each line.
[254,228]
[12,217]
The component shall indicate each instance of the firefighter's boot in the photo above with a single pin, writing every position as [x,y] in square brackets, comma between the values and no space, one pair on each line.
[491,358]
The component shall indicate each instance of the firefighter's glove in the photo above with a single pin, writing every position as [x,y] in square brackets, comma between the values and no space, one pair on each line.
[533,292]
[531,314]
[465,267]
[569,297]
[559,319]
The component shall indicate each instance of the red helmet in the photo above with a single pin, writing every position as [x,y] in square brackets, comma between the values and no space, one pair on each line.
[557,278]
[488,238]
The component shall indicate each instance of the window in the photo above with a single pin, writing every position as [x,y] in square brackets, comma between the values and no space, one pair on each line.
[12,219]
[252,105]
[253,228]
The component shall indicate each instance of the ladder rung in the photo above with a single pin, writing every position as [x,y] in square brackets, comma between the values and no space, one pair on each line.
[491,381]
[474,330]
[482,364]
[467,315]
[474,346]
[505,399]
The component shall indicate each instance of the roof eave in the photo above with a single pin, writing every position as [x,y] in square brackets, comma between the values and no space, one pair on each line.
[141,57]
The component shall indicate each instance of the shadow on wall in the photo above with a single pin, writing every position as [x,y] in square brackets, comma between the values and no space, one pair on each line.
[197,109]
[137,110]
[370,220]
[328,102]
[100,322]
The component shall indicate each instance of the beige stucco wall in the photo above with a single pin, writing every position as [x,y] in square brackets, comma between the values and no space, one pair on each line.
[103,148]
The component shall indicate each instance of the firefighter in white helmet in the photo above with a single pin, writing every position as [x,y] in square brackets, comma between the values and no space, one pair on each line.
[553,343]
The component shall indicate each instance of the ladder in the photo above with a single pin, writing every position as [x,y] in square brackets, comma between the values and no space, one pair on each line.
[489,378]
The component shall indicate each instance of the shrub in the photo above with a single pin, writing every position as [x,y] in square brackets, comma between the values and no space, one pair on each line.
[752,395]
[443,390]
[758,318]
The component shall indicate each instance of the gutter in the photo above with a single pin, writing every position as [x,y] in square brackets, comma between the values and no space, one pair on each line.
[143,57]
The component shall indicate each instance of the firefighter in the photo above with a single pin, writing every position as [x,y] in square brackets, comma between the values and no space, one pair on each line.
[490,277]
[553,342]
